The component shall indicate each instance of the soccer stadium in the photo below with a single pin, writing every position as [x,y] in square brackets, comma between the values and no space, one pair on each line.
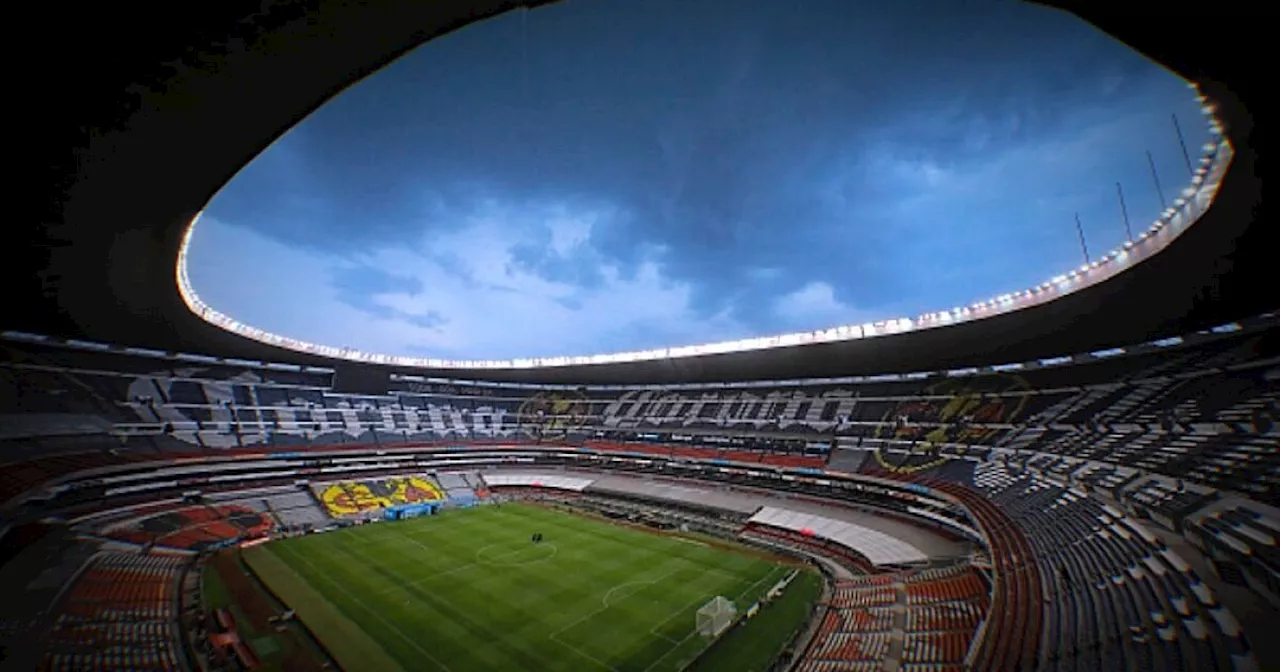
[1080,475]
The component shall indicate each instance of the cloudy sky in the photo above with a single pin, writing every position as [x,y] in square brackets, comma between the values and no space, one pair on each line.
[610,175]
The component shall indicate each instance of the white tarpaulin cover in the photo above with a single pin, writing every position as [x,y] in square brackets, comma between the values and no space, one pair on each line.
[538,480]
[878,547]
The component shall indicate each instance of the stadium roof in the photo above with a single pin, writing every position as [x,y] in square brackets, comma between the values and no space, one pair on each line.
[148,125]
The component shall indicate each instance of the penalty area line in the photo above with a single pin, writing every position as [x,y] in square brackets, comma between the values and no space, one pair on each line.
[555,637]
[694,632]
[604,600]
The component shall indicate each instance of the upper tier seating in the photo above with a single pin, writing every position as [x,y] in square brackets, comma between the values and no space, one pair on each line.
[1236,532]
[1204,412]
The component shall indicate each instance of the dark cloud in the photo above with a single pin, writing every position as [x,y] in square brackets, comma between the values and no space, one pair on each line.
[356,285]
[832,141]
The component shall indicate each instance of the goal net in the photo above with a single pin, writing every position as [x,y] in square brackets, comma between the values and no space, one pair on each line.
[715,617]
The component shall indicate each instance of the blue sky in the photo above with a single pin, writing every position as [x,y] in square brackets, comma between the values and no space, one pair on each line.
[604,175]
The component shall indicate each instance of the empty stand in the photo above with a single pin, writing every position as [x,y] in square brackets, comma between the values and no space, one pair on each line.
[1058,470]
[119,614]
[196,528]
[458,486]
[925,618]
[296,510]
[1114,594]
[1203,411]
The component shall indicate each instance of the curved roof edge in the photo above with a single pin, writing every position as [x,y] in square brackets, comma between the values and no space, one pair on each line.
[1259,324]
[137,143]
[1193,201]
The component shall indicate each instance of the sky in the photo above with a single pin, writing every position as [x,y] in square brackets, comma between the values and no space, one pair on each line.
[601,176]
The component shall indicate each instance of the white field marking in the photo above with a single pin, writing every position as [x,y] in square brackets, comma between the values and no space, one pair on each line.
[409,537]
[410,527]
[582,653]
[671,650]
[415,542]
[497,561]
[371,612]
[724,572]
[406,535]
[402,635]
[434,531]
[694,632]
[605,600]
[691,541]
[401,588]
[681,610]
[606,605]
[664,621]
[479,559]
[713,570]
[654,630]
[555,636]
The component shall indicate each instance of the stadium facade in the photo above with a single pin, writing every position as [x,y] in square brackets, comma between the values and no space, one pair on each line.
[1079,478]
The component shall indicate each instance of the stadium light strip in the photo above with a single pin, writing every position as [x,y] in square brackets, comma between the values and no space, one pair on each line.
[1191,204]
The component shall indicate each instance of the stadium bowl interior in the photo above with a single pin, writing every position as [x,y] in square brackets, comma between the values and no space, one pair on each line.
[1086,483]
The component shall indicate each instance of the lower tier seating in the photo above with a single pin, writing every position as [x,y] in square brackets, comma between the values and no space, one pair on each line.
[119,614]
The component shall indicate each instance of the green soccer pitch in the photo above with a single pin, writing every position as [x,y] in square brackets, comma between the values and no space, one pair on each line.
[467,590]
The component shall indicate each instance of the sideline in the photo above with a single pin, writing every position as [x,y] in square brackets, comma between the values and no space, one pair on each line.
[392,626]
[351,647]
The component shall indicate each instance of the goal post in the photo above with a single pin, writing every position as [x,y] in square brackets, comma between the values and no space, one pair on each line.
[715,617]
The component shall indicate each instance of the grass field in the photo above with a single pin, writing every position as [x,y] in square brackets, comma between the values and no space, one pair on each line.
[468,591]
